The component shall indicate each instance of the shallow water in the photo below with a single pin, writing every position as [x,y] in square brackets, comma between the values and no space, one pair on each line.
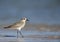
[29,36]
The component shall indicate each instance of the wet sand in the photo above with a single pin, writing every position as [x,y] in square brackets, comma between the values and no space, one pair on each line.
[32,36]
[28,39]
[32,33]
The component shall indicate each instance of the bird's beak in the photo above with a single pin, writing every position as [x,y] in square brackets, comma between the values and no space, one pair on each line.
[27,20]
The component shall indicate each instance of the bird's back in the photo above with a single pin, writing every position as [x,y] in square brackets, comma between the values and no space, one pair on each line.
[15,25]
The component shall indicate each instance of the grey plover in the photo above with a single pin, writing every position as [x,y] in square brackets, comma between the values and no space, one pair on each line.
[18,25]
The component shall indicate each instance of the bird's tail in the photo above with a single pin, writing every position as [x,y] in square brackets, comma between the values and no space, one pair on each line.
[5,27]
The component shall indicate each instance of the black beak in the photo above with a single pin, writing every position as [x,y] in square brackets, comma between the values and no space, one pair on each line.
[27,20]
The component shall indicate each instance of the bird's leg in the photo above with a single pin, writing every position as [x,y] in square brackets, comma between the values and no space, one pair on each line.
[21,34]
[17,33]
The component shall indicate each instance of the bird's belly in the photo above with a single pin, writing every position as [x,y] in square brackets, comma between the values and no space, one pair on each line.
[19,28]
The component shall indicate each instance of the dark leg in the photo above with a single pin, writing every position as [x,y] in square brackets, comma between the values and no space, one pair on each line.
[21,34]
[17,33]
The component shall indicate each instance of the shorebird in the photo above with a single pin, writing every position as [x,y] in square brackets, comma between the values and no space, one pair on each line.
[18,25]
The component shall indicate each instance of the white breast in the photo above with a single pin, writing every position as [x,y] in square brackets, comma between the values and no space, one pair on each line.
[19,28]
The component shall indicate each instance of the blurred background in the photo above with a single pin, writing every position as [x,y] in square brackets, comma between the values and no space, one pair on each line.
[44,16]
[38,11]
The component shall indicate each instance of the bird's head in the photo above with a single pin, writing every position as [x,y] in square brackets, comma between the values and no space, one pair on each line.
[24,19]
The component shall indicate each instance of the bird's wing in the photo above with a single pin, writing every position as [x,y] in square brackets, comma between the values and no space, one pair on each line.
[15,25]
